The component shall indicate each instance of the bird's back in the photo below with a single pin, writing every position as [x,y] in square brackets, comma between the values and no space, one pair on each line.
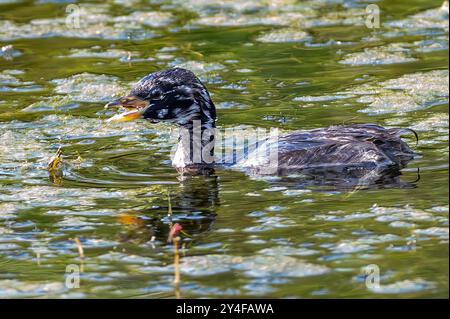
[353,145]
[366,146]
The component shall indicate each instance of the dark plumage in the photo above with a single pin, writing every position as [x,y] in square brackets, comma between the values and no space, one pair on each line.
[367,145]
[178,96]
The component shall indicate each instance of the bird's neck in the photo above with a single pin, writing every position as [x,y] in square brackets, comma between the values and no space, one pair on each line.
[195,145]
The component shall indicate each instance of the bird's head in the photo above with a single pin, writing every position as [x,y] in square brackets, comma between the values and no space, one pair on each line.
[175,95]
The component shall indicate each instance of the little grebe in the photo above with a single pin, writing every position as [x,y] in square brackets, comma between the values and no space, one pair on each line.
[178,96]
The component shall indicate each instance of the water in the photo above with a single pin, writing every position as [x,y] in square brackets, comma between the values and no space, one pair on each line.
[267,64]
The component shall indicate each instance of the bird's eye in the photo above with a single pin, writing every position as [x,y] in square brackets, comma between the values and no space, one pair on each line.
[156,95]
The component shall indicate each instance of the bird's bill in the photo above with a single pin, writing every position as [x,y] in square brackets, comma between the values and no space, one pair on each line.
[133,105]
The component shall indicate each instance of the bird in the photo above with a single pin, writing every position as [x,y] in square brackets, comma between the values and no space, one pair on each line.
[179,97]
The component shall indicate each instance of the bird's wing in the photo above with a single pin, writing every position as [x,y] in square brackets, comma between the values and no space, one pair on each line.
[361,145]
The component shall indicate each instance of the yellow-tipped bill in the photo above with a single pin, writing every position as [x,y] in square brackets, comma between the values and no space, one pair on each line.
[135,106]
[125,117]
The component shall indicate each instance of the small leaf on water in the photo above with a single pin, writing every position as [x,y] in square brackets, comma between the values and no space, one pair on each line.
[56,161]
[55,168]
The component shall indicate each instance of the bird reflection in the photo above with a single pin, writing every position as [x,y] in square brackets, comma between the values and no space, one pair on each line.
[192,204]
[348,179]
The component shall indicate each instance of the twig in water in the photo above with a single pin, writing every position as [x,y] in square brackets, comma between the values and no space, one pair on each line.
[169,211]
[80,247]
[175,239]
[176,261]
